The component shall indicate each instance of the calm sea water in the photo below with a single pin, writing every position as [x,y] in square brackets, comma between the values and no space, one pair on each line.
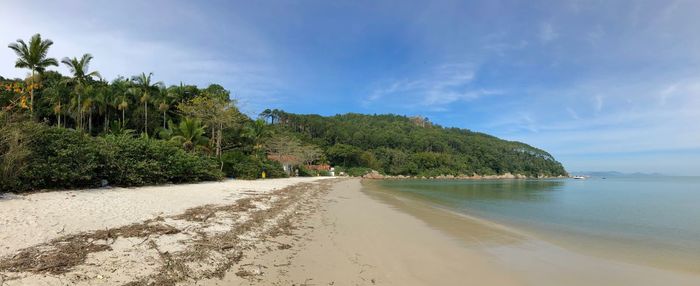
[655,220]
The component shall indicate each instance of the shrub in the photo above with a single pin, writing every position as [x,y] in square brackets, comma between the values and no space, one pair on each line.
[64,158]
[149,161]
[241,166]
[15,138]
[304,172]
[358,171]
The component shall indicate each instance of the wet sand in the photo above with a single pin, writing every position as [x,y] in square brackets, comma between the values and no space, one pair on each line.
[531,259]
[357,240]
[326,232]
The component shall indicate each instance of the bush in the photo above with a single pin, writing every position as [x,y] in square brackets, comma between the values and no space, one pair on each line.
[64,158]
[357,171]
[304,172]
[149,161]
[242,166]
[15,139]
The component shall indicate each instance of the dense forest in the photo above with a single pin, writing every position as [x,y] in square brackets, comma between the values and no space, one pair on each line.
[400,145]
[81,130]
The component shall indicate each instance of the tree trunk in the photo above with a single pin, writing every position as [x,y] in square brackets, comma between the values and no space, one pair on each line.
[145,120]
[105,127]
[218,140]
[123,117]
[31,95]
[164,120]
[80,112]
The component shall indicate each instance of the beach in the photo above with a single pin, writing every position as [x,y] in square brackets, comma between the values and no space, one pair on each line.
[272,232]
[299,231]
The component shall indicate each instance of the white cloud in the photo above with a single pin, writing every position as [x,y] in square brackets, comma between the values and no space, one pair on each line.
[435,89]
[547,33]
[124,49]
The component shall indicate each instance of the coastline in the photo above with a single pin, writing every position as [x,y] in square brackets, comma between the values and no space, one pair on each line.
[356,240]
[533,259]
[374,175]
[307,231]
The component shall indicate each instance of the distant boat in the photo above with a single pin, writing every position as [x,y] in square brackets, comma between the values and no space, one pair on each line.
[578,177]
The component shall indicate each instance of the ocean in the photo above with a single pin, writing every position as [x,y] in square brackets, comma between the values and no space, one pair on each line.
[649,221]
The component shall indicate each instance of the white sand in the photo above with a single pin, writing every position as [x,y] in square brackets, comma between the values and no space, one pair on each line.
[356,240]
[37,218]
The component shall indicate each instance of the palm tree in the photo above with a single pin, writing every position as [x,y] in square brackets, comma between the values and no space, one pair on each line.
[144,89]
[33,57]
[88,105]
[123,106]
[120,90]
[266,114]
[189,134]
[55,98]
[103,100]
[165,100]
[257,131]
[79,69]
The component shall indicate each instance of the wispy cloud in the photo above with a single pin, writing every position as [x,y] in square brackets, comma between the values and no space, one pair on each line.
[249,70]
[434,89]
[547,32]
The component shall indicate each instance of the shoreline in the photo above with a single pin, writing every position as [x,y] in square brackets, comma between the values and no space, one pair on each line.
[285,232]
[354,239]
[535,259]
[374,175]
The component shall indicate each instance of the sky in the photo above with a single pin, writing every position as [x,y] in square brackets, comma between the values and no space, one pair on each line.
[601,85]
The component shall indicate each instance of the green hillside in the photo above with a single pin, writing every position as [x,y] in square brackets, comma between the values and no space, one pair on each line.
[400,145]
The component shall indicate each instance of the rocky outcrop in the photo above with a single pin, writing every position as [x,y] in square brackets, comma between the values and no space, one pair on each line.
[373,175]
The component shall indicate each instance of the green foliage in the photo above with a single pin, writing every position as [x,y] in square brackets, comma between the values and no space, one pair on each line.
[357,171]
[399,145]
[63,158]
[15,137]
[242,166]
[148,161]
[304,172]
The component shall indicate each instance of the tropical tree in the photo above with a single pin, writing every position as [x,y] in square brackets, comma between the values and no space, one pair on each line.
[266,114]
[214,112]
[256,132]
[79,68]
[144,89]
[104,99]
[120,90]
[55,95]
[165,100]
[189,134]
[33,57]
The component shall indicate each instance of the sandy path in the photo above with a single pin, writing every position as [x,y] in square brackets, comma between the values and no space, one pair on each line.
[356,240]
[37,218]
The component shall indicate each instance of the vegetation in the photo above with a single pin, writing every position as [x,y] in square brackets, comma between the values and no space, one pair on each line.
[81,130]
[400,145]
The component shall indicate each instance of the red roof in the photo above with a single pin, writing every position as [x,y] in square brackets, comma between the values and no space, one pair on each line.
[319,167]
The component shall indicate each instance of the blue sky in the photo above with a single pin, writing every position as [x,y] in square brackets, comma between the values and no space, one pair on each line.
[602,85]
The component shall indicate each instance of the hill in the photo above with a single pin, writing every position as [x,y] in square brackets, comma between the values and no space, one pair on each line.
[401,145]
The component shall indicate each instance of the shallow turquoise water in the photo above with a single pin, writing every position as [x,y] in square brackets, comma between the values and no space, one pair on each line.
[650,219]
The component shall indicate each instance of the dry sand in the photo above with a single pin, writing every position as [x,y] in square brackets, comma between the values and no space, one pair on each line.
[273,232]
[356,240]
[304,231]
[154,242]
[37,218]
